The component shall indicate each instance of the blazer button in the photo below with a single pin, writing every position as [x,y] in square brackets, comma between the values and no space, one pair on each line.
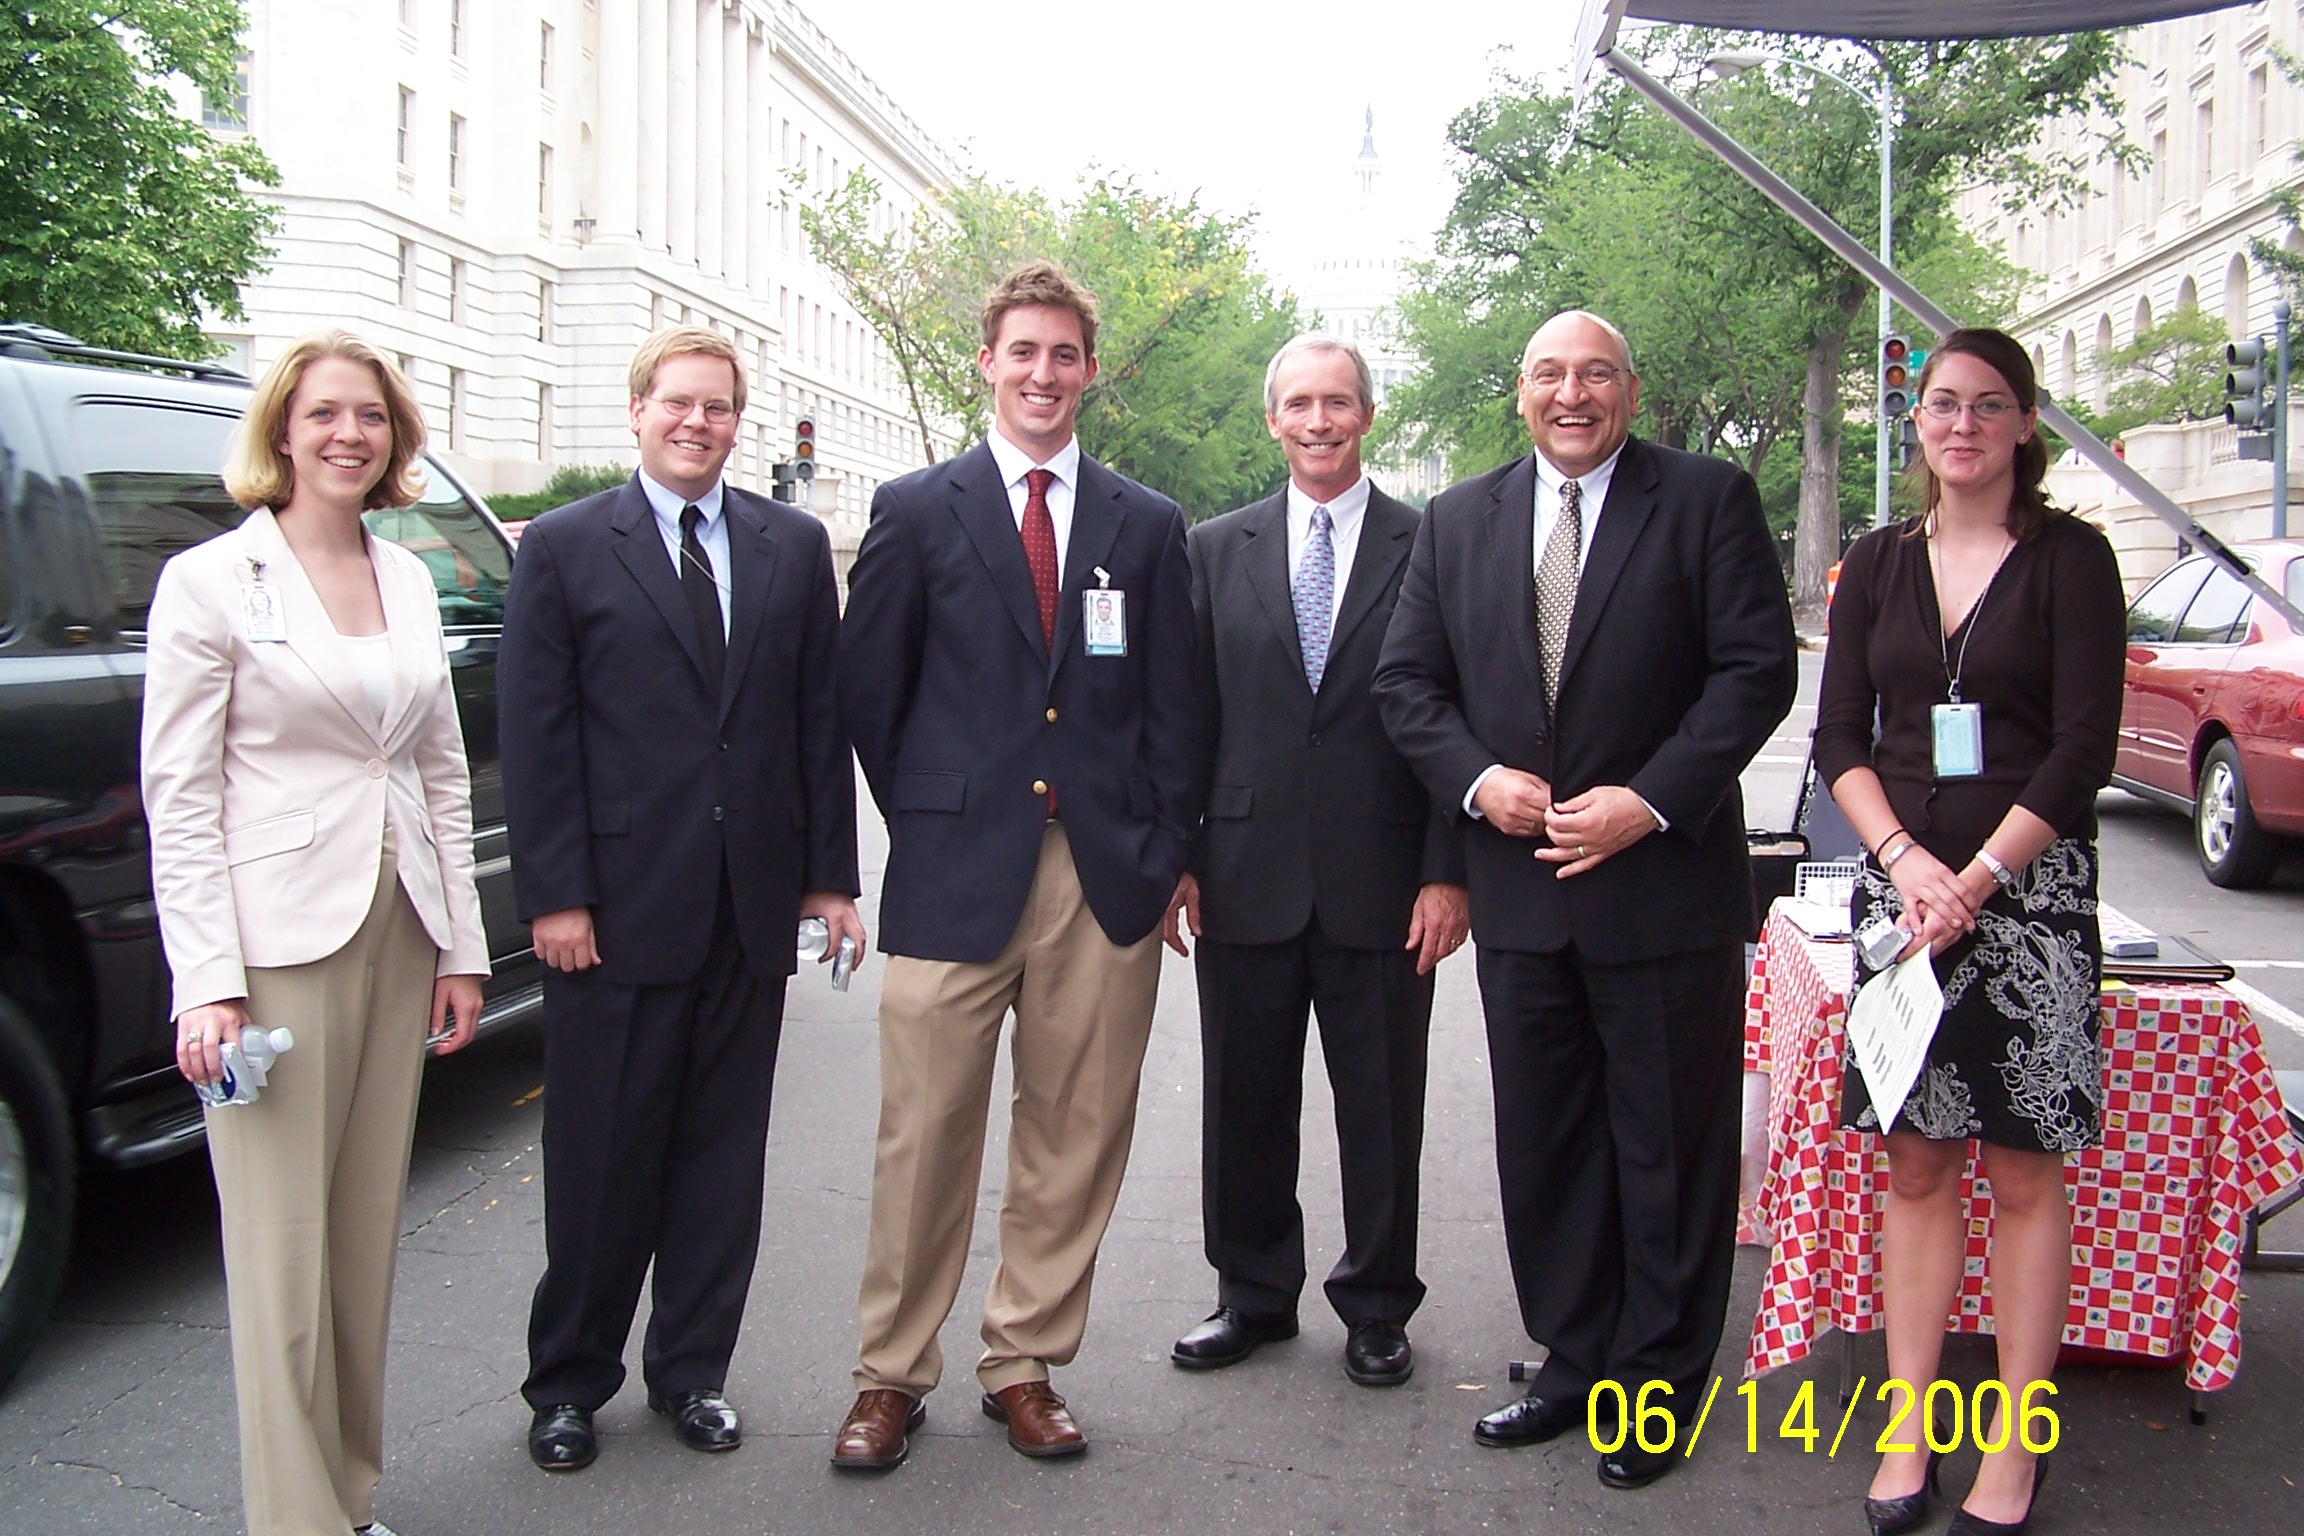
[375,767]
[1051,717]
[716,813]
[1040,786]
[723,746]
[1315,738]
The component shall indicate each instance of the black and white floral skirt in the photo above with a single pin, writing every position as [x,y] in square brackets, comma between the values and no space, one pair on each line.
[2018,1059]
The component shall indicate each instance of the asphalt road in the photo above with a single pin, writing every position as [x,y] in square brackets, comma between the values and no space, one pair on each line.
[123,1420]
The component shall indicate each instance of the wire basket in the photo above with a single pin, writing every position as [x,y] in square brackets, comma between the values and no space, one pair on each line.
[1826,882]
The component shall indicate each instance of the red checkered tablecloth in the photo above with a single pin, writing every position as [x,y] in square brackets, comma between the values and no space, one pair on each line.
[2193,1139]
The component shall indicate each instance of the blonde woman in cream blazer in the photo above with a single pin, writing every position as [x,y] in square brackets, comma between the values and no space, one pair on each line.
[305,781]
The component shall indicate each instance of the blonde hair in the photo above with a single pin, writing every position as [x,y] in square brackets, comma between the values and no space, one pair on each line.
[258,474]
[684,341]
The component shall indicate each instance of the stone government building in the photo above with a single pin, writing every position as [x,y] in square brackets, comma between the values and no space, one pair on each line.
[509,194]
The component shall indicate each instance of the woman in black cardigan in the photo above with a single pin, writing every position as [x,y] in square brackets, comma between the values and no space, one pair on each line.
[1985,638]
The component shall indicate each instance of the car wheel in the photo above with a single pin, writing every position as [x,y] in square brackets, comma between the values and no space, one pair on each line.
[2234,851]
[37,1185]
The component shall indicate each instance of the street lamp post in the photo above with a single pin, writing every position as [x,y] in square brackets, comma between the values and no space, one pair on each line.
[1733,62]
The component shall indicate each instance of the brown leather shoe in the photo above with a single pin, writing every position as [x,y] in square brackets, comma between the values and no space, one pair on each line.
[1038,1422]
[873,1437]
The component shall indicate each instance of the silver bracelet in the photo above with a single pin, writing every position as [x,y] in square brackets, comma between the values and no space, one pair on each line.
[1888,860]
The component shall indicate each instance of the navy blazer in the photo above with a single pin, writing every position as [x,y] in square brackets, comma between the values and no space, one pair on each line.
[958,707]
[1680,662]
[1311,809]
[628,788]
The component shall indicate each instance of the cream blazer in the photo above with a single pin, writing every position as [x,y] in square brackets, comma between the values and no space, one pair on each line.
[267,784]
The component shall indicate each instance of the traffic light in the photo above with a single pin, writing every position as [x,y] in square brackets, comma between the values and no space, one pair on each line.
[2247,386]
[804,448]
[1899,368]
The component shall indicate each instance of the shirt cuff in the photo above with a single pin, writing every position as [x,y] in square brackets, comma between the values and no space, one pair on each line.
[1661,824]
[1473,793]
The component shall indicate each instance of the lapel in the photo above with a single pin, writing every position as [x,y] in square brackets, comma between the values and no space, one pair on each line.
[641,548]
[1095,528]
[1386,530]
[311,636]
[1264,551]
[981,504]
[751,571]
[410,614]
[1623,516]
[1511,524]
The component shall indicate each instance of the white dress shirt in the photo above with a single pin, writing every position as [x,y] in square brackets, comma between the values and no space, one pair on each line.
[1015,464]
[1593,499]
[712,533]
[1345,515]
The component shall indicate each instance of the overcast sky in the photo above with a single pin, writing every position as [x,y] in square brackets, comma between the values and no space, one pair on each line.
[1254,107]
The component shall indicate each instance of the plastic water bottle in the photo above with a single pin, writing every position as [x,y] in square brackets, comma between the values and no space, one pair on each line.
[247,1066]
[814,938]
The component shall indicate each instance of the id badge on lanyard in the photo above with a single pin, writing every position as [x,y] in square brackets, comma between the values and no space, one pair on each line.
[1958,732]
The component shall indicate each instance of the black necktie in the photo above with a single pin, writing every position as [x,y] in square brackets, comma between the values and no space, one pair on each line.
[696,580]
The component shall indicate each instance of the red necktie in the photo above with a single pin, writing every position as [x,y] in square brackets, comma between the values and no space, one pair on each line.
[1040,555]
[1040,548]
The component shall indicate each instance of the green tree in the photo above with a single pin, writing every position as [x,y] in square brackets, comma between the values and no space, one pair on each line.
[570,482]
[121,220]
[1186,324]
[1748,332]
[2172,371]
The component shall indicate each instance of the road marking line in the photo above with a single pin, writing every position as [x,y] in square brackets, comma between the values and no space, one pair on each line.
[2264,1007]
[2277,965]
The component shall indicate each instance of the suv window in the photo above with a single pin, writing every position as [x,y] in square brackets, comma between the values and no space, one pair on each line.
[156,485]
[2152,617]
[156,479]
[2220,608]
[470,565]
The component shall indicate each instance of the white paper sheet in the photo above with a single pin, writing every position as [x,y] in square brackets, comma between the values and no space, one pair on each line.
[1890,1023]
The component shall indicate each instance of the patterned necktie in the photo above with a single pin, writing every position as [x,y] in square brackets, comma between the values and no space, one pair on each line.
[1040,548]
[703,592]
[1314,594]
[1556,577]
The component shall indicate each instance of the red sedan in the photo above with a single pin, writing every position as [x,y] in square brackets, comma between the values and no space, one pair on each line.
[2212,716]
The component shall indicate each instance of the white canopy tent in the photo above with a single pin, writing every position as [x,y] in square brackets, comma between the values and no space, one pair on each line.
[1902,20]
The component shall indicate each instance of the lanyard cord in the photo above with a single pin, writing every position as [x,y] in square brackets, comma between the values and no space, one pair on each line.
[1971,619]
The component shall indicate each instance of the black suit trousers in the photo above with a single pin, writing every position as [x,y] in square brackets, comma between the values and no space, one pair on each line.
[1617,1126]
[655,1147]
[1375,1013]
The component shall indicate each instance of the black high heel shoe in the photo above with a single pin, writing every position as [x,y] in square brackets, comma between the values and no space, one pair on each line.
[1966,1524]
[1887,1517]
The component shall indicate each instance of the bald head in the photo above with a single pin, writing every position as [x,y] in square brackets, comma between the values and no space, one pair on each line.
[1577,391]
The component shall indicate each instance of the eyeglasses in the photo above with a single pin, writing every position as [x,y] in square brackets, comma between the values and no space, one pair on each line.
[679,407]
[1986,411]
[1591,375]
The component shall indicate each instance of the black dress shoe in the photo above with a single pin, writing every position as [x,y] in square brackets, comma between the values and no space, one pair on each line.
[1228,1337]
[1892,1517]
[1378,1354]
[560,1438]
[1966,1524]
[1531,1420]
[703,1420]
[1628,1466]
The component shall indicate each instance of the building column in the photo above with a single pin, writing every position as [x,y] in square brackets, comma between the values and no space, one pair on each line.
[652,138]
[616,132]
[759,160]
[709,146]
[680,185]
[733,133]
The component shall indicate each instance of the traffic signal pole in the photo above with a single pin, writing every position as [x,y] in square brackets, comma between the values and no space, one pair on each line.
[1885,428]
[2280,421]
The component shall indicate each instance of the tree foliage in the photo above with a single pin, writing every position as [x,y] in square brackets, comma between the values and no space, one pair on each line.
[121,220]
[2172,371]
[570,482]
[1186,321]
[1749,334]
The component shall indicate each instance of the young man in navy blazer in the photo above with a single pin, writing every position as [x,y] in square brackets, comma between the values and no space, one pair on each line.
[1016,673]
[679,794]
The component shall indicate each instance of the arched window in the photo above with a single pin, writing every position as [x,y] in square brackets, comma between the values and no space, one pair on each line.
[2187,293]
[2236,295]
[2143,315]
[2068,374]
[2101,395]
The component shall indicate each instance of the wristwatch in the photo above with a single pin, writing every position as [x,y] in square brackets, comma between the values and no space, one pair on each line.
[2001,873]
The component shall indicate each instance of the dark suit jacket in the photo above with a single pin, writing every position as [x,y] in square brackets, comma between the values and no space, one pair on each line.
[958,707]
[1311,809]
[1680,661]
[627,788]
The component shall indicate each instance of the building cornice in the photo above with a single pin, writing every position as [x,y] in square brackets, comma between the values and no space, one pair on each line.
[811,50]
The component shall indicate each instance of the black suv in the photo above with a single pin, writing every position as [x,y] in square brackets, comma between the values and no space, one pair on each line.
[109,464]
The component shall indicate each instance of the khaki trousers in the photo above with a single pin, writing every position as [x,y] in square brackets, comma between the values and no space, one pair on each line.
[311,1178]
[1083,1016]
